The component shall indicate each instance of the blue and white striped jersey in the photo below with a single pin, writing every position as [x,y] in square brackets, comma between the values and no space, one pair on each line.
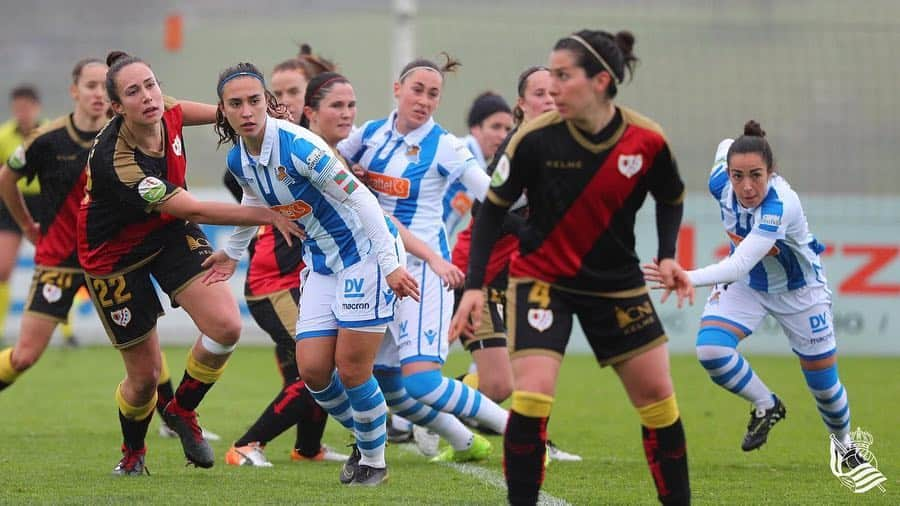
[299,176]
[458,200]
[410,173]
[793,262]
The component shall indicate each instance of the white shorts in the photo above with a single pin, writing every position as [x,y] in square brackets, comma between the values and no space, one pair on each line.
[804,314]
[357,297]
[419,330]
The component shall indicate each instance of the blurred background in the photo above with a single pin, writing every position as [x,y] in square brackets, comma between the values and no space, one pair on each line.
[821,76]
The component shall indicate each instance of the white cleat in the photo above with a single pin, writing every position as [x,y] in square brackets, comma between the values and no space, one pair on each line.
[426,441]
[554,453]
[250,455]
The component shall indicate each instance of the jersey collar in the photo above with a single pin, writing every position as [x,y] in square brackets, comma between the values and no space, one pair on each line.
[413,138]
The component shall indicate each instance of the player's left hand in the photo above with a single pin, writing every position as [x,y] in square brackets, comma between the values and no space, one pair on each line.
[674,278]
[450,274]
[221,268]
[467,318]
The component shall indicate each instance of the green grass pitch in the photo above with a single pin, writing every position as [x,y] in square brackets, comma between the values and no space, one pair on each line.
[59,440]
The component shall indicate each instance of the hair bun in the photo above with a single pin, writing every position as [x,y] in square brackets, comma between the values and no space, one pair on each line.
[115,56]
[305,50]
[625,41]
[753,129]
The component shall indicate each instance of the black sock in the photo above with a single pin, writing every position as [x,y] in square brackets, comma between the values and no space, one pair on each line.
[191,391]
[666,453]
[282,413]
[311,426]
[164,394]
[524,446]
[134,431]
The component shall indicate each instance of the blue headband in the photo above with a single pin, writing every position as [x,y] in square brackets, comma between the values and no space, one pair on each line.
[236,75]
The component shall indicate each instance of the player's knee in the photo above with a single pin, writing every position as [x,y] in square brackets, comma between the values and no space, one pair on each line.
[22,359]
[495,389]
[711,340]
[422,383]
[227,331]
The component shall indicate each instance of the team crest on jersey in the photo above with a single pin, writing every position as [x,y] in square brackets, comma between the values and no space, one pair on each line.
[630,165]
[51,293]
[282,175]
[152,189]
[195,243]
[412,153]
[540,319]
[176,145]
[501,172]
[121,317]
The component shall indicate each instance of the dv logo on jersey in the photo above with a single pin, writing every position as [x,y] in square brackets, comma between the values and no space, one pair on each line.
[819,322]
[353,288]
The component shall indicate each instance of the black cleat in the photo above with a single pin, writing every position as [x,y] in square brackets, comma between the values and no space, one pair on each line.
[351,467]
[184,423]
[853,459]
[132,463]
[761,422]
[368,476]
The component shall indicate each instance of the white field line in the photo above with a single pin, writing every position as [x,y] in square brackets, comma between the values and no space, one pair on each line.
[490,477]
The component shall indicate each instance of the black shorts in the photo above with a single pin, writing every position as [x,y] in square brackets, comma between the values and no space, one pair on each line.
[52,291]
[492,332]
[617,325]
[276,314]
[32,202]
[127,302]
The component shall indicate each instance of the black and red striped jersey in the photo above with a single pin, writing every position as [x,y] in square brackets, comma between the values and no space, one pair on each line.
[119,224]
[274,265]
[56,154]
[583,192]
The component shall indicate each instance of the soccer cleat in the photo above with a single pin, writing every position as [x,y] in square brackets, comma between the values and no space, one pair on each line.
[249,455]
[165,431]
[184,423]
[397,436]
[479,450]
[426,440]
[853,459]
[325,454]
[351,466]
[761,422]
[554,453]
[368,476]
[132,463]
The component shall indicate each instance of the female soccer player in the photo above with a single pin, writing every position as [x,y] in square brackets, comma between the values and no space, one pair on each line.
[25,104]
[409,160]
[354,272]
[137,220]
[492,374]
[55,155]
[290,79]
[490,120]
[272,289]
[775,269]
[586,169]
